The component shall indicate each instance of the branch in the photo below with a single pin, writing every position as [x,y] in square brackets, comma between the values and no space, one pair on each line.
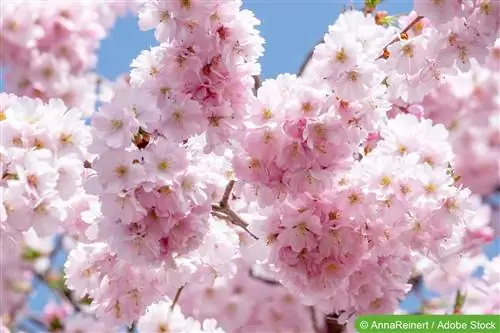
[306,61]
[62,295]
[332,324]
[31,325]
[224,212]
[262,279]
[402,33]
[37,322]
[227,192]
[131,328]
[314,321]
[229,215]
[459,302]
[176,297]
[257,85]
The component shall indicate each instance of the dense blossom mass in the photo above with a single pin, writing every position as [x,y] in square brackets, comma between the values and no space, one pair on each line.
[49,47]
[43,149]
[199,199]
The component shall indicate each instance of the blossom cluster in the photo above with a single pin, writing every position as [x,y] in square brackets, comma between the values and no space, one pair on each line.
[479,293]
[48,47]
[155,193]
[154,205]
[469,105]
[155,201]
[398,199]
[298,136]
[201,74]
[121,291]
[346,61]
[447,274]
[161,317]
[43,149]
[245,303]
[453,36]
[340,173]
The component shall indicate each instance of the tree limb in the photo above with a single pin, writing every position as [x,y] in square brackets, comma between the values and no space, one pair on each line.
[332,324]
[131,328]
[176,297]
[403,32]
[62,295]
[224,212]
[257,85]
[314,321]
[262,279]
[227,193]
[308,58]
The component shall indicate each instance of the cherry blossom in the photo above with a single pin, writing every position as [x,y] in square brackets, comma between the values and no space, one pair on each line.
[326,194]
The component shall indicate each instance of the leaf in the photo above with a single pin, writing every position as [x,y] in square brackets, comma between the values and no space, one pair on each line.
[459,302]
[31,254]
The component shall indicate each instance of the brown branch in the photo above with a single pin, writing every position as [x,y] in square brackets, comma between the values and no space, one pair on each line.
[62,295]
[176,298]
[257,85]
[332,324]
[40,326]
[229,215]
[314,320]
[224,212]
[262,279]
[402,33]
[459,302]
[308,58]
[227,193]
[131,328]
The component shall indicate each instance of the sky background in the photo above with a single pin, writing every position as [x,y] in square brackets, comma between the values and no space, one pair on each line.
[291,28]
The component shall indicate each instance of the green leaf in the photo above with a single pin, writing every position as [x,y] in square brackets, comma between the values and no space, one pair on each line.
[388,20]
[56,325]
[56,283]
[372,4]
[30,254]
[87,300]
[459,302]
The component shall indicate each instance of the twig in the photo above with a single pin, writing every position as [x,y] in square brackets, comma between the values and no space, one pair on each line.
[405,30]
[62,295]
[257,85]
[37,322]
[176,298]
[223,211]
[459,302]
[229,215]
[227,192]
[24,327]
[261,279]
[308,58]
[131,328]
[332,324]
[416,282]
[314,320]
